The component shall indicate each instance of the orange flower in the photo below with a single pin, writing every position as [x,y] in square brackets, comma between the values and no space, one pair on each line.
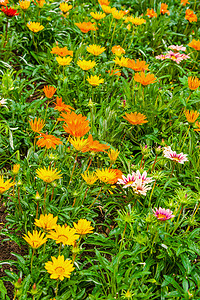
[190,16]
[104,2]
[115,72]
[48,141]
[193,83]
[184,2]
[61,51]
[137,65]
[94,146]
[135,118]
[163,9]
[49,91]
[151,13]
[37,125]
[195,44]
[4,2]
[76,125]
[117,14]
[198,125]
[61,106]
[191,116]
[118,50]
[118,175]
[145,79]
[86,26]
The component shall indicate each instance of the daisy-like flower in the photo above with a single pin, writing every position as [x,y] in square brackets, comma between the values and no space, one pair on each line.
[83,227]
[163,9]
[86,26]
[95,49]
[15,169]
[198,126]
[65,7]
[61,106]
[36,239]
[135,20]
[118,175]
[48,141]
[117,14]
[75,125]
[86,64]
[24,4]
[184,2]
[137,65]
[190,16]
[135,118]
[95,80]
[113,154]
[48,175]
[107,9]
[64,235]
[40,3]
[104,2]
[64,61]
[47,222]
[4,2]
[191,116]
[94,146]
[163,214]
[145,79]
[90,178]
[193,83]
[59,268]
[9,12]
[78,143]
[98,15]
[195,44]
[140,187]
[179,158]
[143,177]
[177,48]
[61,51]
[49,91]
[106,175]
[5,185]
[115,72]
[122,62]
[118,50]
[151,13]
[35,26]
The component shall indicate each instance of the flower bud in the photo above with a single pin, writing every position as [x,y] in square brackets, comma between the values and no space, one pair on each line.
[37,196]
[158,150]
[18,283]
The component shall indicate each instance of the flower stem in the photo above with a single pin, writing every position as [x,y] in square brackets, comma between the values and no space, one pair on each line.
[172,171]
[89,163]
[154,163]
[176,225]
[185,137]
[45,195]
[32,259]
[120,248]
[95,198]
[5,42]
[20,207]
[113,33]
[73,169]
[57,287]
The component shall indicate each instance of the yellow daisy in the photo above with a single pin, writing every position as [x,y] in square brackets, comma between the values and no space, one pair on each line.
[83,227]
[48,175]
[36,239]
[47,222]
[64,235]
[59,268]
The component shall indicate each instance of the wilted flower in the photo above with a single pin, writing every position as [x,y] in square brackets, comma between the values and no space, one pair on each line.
[163,214]
[59,268]
[198,125]
[94,146]
[35,26]
[135,118]
[115,72]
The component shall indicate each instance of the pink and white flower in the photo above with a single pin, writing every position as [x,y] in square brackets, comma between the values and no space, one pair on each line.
[144,177]
[163,214]
[177,48]
[179,158]
[140,187]
[127,181]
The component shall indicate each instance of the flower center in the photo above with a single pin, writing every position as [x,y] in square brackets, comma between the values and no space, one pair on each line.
[161,217]
[175,158]
[59,270]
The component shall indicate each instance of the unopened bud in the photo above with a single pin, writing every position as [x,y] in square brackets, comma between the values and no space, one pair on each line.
[34,290]
[19,183]
[18,283]
[158,150]
[37,196]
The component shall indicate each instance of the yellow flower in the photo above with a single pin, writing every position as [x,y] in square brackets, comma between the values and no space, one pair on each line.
[47,222]
[15,169]
[64,235]
[118,50]
[106,175]
[35,26]
[78,143]
[95,49]
[117,14]
[95,80]
[122,62]
[36,239]
[59,268]
[86,65]
[48,175]
[107,9]
[65,7]
[135,118]
[90,178]
[98,15]
[113,154]
[135,21]
[191,116]
[4,186]
[64,61]
[83,227]
[24,4]
[37,125]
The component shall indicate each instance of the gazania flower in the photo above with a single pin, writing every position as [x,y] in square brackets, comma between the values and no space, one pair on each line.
[106,175]
[127,181]
[151,13]
[64,61]
[118,50]
[48,141]
[47,222]
[90,178]
[9,12]
[118,175]
[48,175]
[184,2]
[35,26]
[191,116]
[190,16]
[36,239]
[195,44]
[49,91]
[24,4]
[61,51]
[104,2]
[59,268]
[193,83]
[95,49]
[107,9]
[37,125]
[4,2]
[5,185]
[86,64]
[122,62]
[65,7]
[179,158]
[113,155]
[137,65]
[115,72]
[145,79]
[135,118]
[40,3]
[94,146]
[177,48]
[163,214]
[95,80]
[135,21]
[78,143]
[75,125]
[98,15]
[163,9]
[61,106]
[83,227]
[140,187]
[64,235]
[198,125]
[117,14]
[86,26]
[16,169]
